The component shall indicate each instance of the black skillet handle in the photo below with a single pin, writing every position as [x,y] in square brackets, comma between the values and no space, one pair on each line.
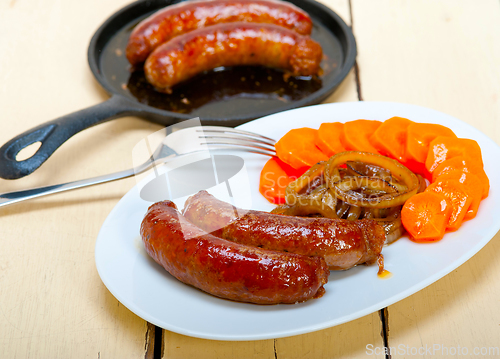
[54,133]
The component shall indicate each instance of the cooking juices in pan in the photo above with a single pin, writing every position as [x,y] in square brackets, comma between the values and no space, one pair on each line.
[247,87]
[243,84]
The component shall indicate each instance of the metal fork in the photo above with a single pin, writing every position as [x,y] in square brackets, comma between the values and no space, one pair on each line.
[179,143]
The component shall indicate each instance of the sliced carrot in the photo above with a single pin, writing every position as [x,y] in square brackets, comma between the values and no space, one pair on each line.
[328,138]
[418,137]
[458,196]
[297,148]
[463,164]
[390,138]
[425,216]
[356,134]
[474,185]
[443,148]
[275,177]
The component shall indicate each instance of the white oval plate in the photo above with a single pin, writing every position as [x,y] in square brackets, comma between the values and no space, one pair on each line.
[150,292]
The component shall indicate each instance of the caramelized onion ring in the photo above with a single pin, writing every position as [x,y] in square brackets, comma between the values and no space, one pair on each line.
[354,213]
[346,187]
[342,209]
[422,183]
[392,224]
[299,188]
[402,174]
[371,186]
[307,200]
[357,168]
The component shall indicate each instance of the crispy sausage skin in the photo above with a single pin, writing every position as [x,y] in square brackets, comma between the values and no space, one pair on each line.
[227,269]
[342,243]
[231,44]
[190,15]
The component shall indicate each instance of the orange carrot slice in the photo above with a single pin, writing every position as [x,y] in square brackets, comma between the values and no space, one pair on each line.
[390,138]
[420,135]
[328,138]
[466,165]
[474,185]
[418,138]
[443,148]
[425,216]
[275,177]
[458,196]
[356,134]
[297,148]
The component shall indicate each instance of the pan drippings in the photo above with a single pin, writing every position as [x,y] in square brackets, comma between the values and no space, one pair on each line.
[257,84]
[224,91]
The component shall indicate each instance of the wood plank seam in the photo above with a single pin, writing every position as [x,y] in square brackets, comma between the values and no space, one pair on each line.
[384,317]
[150,342]
[158,344]
[356,66]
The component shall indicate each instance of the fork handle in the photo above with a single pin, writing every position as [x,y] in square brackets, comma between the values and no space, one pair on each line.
[15,197]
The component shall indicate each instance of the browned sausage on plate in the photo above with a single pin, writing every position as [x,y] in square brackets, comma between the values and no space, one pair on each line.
[227,269]
[342,243]
[231,44]
[189,15]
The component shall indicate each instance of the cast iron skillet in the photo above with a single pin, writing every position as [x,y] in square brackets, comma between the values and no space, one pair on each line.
[227,98]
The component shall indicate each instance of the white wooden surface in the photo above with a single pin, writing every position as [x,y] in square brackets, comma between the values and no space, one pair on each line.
[444,55]
[52,301]
[441,54]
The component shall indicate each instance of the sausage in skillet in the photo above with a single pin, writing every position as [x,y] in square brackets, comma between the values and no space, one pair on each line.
[231,44]
[186,16]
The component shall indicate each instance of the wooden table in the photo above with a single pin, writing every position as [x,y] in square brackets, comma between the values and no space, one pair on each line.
[441,54]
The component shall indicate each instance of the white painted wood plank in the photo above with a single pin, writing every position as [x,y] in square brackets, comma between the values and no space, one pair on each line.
[53,303]
[444,55]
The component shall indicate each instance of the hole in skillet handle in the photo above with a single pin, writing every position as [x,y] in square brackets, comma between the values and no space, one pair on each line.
[28,151]
[10,166]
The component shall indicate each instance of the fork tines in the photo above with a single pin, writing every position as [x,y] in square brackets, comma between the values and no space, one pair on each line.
[233,139]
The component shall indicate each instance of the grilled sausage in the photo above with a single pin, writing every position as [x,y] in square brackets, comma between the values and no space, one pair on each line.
[227,269]
[342,243]
[231,44]
[190,15]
